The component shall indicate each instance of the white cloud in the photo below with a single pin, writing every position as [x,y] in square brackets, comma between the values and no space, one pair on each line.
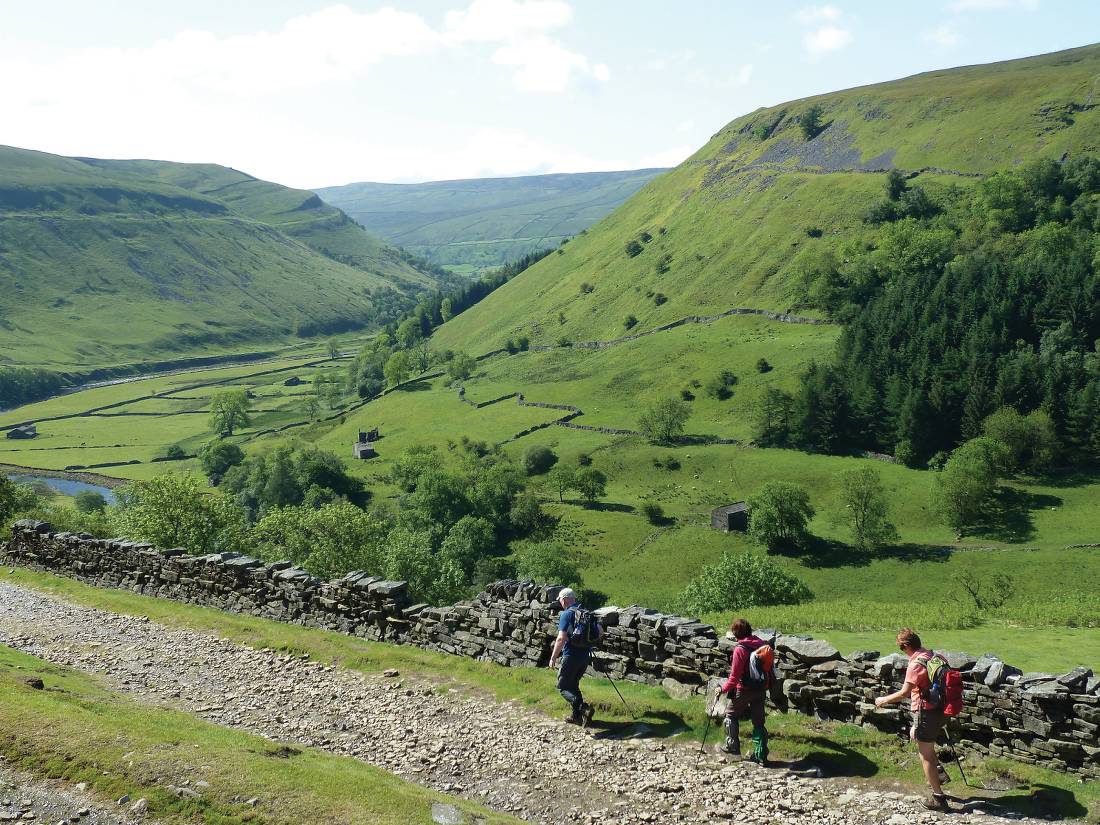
[826,39]
[944,36]
[742,76]
[812,15]
[992,5]
[685,125]
[668,157]
[544,65]
[495,21]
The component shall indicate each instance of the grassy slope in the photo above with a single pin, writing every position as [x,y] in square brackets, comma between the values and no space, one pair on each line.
[475,224]
[840,750]
[735,214]
[128,261]
[78,730]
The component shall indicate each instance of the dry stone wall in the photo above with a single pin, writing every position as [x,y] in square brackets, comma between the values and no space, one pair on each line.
[1031,717]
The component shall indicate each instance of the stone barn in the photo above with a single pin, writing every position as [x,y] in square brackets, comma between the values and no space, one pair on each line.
[293,381]
[364,447]
[23,431]
[730,517]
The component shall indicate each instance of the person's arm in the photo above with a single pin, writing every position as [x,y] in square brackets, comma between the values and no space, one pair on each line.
[737,669]
[906,690]
[558,644]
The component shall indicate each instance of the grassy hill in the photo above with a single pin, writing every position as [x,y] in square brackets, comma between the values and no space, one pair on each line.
[733,225]
[469,225]
[109,262]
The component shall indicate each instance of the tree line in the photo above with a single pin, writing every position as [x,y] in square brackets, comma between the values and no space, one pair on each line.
[954,309]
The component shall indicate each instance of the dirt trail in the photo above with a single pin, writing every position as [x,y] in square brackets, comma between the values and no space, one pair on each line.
[456,741]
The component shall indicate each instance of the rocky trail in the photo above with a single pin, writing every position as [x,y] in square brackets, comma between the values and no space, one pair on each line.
[26,799]
[499,754]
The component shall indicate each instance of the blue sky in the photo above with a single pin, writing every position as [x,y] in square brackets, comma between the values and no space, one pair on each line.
[319,93]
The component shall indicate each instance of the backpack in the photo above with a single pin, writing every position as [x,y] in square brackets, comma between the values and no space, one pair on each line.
[946,689]
[586,629]
[759,672]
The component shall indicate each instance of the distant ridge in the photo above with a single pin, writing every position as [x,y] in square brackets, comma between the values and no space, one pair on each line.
[479,223]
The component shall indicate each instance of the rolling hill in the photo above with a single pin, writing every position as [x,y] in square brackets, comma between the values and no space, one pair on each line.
[113,262]
[735,224]
[470,225]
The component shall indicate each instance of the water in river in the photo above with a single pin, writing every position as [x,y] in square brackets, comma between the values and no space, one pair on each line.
[66,486]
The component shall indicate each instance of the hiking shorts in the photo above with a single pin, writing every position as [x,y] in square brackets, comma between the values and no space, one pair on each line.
[927,726]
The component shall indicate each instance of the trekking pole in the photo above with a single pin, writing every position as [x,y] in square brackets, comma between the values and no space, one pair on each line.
[706,730]
[612,681]
[958,761]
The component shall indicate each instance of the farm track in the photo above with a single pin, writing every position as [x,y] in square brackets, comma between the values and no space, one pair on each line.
[457,741]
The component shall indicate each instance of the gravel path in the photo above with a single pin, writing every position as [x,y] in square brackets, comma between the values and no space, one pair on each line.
[500,754]
[26,799]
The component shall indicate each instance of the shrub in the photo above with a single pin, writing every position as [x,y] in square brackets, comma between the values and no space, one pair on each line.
[175,453]
[510,347]
[564,341]
[1030,440]
[741,580]
[89,501]
[664,420]
[664,263]
[538,460]
[645,237]
[814,232]
[653,512]
[584,460]
[660,298]
[687,395]
[217,456]
[810,121]
[763,366]
[586,288]
[630,322]
[461,366]
[904,453]
[633,249]
[524,343]
[778,514]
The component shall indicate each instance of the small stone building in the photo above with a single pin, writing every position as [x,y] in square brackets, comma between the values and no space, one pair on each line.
[293,381]
[364,447]
[730,517]
[23,431]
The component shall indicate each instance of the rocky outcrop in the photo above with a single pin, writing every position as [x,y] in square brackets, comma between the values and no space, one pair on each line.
[1031,717]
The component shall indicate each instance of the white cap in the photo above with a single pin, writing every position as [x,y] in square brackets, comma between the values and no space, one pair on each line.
[567,593]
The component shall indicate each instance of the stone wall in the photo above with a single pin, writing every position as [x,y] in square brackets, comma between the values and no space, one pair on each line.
[1031,717]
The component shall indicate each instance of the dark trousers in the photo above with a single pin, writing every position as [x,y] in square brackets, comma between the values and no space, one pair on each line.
[570,671]
[751,701]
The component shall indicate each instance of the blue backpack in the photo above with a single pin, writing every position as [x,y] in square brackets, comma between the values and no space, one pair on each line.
[585,631]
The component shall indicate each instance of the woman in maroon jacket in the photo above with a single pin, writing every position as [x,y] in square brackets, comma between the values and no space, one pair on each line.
[744,698]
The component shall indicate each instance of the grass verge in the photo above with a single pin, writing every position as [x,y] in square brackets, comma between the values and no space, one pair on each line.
[76,730]
[838,749]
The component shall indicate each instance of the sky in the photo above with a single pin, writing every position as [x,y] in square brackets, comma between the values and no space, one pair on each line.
[312,93]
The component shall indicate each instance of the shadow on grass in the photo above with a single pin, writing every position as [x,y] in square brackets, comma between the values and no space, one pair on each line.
[1008,516]
[833,759]
[1067,477]
[415,386]
[607,506]
[1035,800]
[917,552]
[820,552]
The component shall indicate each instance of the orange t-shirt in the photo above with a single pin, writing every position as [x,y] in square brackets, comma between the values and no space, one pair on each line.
[917,674]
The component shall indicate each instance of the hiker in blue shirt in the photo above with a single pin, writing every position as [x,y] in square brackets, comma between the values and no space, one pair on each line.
[574,653]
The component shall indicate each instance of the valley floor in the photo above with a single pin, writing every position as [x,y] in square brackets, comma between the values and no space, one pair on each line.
[436,732]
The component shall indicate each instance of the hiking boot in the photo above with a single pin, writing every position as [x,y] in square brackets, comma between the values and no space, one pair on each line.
[936,802]
[586,714]
[762,761]
[573,720]
[723,750]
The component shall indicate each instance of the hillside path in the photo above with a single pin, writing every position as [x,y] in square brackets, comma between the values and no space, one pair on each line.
[502,755]
[50,801]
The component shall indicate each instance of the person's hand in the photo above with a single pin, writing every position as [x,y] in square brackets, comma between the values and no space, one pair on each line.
[553,664]
[880,701]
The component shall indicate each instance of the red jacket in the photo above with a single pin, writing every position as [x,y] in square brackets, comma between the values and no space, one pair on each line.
[740,661]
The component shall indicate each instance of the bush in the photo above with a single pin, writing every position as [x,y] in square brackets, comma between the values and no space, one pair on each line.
[564,341]
[586,288]
[763,366]
[810,121]
[633,249]
[630,322]
[741,580]
[687,395]
[778,514]
[461,366]
[664,263]
[524,343]
[653,513]
[584,460]
[1030,441]
[538,460]
[660,298]
[719,387]
[217,456]
[510,347]
[663,422]
[904,453]
[814,232]
[89,501]
[175,453]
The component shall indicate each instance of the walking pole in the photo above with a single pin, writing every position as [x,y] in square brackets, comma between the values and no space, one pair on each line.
[612,681]
[706,730]
[958,761]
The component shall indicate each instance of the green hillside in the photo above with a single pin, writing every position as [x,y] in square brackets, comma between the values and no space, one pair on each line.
[468,225]
[732,225]
[113,262]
